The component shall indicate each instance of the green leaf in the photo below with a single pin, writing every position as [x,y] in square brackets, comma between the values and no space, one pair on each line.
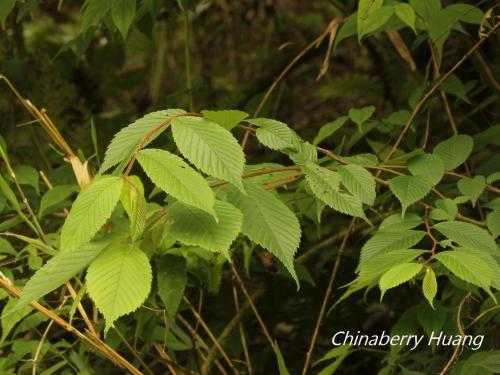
[454,86]
[11,315]
[360,115]
[125,142]
[268,222]
[171,276]
[123,14]
[209,147]
[493,221]
[468,235]
[406,14]
[380,263]
[54,197]
[94,12]
[446,209]
[359,182]
[6,7]
[174,176]
[398,275]
[60,269]
[428,166]
[281,362]
[472,187]
[134,203]
[464,13]
[429,286]
[119,280]
[329,128]
[397,223]
[385,241]
[273,134]
[228,119]
[195,227]
[454,151]
[409,189]
[11,197]
[27,175]
[493,177]
[371,16]
[91,209]
[467,267]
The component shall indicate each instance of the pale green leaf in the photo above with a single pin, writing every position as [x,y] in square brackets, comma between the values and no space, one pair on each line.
[125,142]
[446,209]
[468,235]
[27,175]
[359,182]
[409,189]
[472,187]
[174,176]
[398,275]
[398,223]
[493,221]
[54,198]
[429,286]
[273,134]
[366,10]
[268,222]
[427,166]
[171,277]
[489,259]
[329,128]
[209,147]
[493,177]
[90,211]
[467,267]
[119,280]
[360,115]
[134,203]
[11,315]
[454,151]
[227,119]
[123,14]
[6,247]
[192,226]
[380,263]
[406,14]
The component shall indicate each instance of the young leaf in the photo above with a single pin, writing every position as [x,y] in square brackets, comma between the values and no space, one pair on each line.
[228,119]
[171,276]
[406,14]
[174,176]
[429,286]
[454,151]
[398,275]
[127,139]
[467,267]
[58,270]
[472,187]
[119,280]
[268,222]
[123,14]
[91,209]
[493,221]
[195,227]
[468,235]
[209,147]
[427,166]
[360,115]
[409,189]
[54,197]
[329,128]
[273,134]
[134,203]
[359,182]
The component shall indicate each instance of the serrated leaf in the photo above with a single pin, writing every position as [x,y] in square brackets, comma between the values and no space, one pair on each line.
[398,275]
[489,259]
[119,280]
[273,134]
[123,14]
[268,222]
[472,187]
[467,267]
[134,203]
[398,223]
[209,147]
[446,209]
[329,128]
[359,182]
[54,197]
[90,211]
[228,119]
[380,263]
[406,14]
[427,166]
[493,221]
[409,189]
[385,241]
[429,286]
[468,235]
[58,270]
[193,226]
[125,142]
[454,151]
[174,176]
[171,276]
